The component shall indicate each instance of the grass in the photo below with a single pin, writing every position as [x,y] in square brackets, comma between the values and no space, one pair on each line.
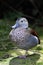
[6,47]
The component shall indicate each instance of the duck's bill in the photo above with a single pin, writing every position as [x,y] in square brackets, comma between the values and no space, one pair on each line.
[15,26]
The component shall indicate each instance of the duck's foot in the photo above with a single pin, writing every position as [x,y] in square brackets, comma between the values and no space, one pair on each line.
[22,57]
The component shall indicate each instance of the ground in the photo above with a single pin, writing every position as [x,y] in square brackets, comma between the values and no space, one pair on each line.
[9,54]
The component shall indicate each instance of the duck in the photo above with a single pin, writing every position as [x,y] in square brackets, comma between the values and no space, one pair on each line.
[23,36]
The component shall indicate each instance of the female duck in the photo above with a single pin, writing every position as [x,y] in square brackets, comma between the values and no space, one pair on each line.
[24,36]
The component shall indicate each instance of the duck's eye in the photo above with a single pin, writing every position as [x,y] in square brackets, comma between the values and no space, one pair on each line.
[21,21]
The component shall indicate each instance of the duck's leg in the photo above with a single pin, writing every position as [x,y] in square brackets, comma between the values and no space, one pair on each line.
[23,56]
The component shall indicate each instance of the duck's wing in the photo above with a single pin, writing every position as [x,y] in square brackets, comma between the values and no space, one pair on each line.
[33,32]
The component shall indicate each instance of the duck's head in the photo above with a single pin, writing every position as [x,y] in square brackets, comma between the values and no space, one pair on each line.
[21,22]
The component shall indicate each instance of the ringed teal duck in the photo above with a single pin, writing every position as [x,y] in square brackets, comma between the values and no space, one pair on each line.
[24,37]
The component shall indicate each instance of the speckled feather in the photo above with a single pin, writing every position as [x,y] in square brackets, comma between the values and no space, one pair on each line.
[23,38]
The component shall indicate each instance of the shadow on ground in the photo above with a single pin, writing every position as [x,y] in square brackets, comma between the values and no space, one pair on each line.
[30,60]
